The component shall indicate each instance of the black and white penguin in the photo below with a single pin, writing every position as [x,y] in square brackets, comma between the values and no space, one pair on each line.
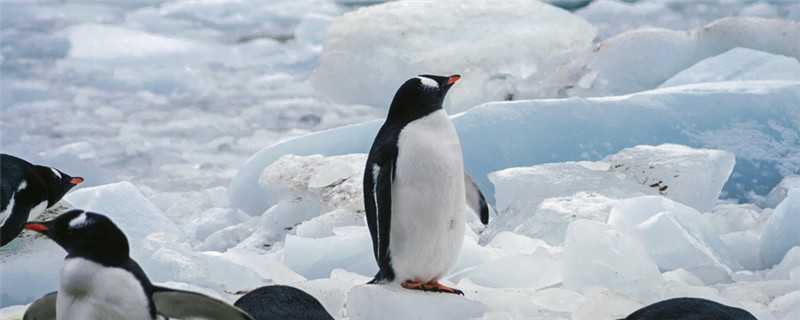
[99,280]
[415,188]
[690,309]
[27,190]
[282,303]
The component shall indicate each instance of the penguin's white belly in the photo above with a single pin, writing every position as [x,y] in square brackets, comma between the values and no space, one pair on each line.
[90,291]
[427,227]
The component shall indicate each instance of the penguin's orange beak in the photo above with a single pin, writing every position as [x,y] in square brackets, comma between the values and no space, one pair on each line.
[38,227]
[453,79]
[76,181]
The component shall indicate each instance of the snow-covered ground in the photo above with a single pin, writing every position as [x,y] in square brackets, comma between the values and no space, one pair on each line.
[227,139]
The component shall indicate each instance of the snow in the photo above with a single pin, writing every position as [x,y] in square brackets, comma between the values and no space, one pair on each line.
[378,47]
[738,64]
[779,235]
[163,106]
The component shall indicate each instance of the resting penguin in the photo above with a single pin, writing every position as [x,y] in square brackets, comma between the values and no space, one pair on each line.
[278,302]
[26,190]
[415,188]
[689,309]
[100,281]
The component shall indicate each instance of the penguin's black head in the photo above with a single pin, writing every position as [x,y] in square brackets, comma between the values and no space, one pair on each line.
[87,235]
[419,96]
[57,182]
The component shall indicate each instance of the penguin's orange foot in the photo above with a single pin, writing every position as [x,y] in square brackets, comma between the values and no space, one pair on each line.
[432,286]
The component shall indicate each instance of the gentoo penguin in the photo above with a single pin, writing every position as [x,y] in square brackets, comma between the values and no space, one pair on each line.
[26,190]
[415,188]
[282,303]
[690,309]
[99,280]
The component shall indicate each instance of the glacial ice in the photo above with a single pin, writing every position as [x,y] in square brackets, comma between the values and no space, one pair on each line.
[596,255]
[738,64]
[613,72]
[675,236]
[780,234]
[752,120]
[378,47]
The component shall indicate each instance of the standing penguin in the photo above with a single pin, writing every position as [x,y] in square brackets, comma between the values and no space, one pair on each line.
[415,188]
[26,190]
[99,279]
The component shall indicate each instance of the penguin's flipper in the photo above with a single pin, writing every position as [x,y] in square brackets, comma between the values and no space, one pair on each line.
[191,305]
[378,179]
[475,199]
[43,308]
[282,302]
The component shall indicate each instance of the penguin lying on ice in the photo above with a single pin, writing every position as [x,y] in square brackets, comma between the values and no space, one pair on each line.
[100,281]
[27,190]
[415,188]
[689,309]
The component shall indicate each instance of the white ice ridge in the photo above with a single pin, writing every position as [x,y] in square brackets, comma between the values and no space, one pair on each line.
[752,119]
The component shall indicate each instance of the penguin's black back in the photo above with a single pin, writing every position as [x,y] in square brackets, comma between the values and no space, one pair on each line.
[12,172]
[282,303]
[689,309]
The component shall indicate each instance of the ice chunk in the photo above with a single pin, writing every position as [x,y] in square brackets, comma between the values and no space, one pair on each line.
[783,270]
[367,302]
[739,64]
[108,42]
[136,216]
[744,247]
[324,225]
[780,233]
[212,220]
[689,115]
[279,220]
[332,293]
[513,242]
[550,219]
[693,177]
[596,255]
[538,270]
[727,218]
[612,71]
[684,277]
[676,236]
[312,258]
[779,192]
[388,43]
[334,182]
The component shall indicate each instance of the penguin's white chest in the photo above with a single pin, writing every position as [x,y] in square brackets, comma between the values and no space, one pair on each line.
[90,291]
[427,227]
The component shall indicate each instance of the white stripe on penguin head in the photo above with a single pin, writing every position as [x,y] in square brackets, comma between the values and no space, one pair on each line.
[55,172]
[78,221]
[428,82]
